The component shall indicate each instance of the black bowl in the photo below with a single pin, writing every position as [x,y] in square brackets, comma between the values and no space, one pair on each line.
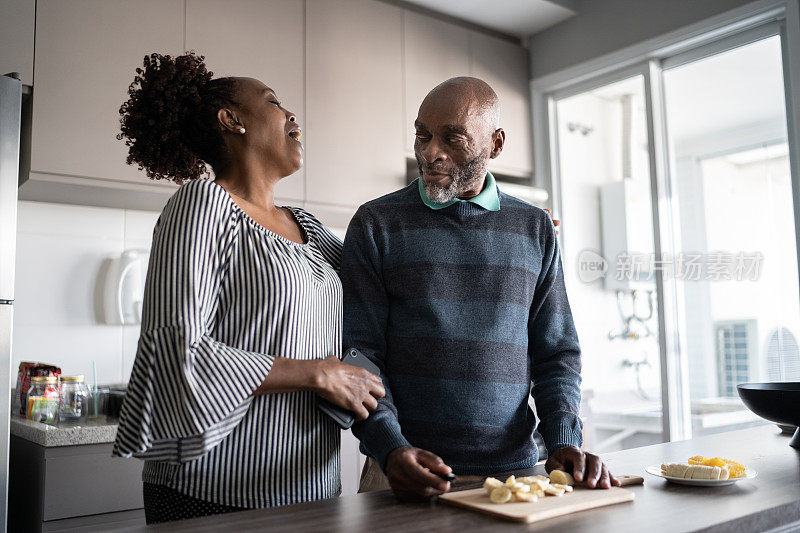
[777,402]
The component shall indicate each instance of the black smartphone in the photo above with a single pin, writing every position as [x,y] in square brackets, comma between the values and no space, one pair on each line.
[344,418]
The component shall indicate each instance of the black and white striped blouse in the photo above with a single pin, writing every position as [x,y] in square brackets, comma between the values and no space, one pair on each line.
[224,296]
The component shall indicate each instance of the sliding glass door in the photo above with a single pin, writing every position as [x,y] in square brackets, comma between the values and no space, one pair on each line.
[672,181]
[607,246]
[736,260]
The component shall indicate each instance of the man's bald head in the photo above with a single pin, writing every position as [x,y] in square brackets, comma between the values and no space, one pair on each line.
[457,132]
[472,94]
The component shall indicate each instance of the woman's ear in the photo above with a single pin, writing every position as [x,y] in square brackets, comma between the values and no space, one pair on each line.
[228,121]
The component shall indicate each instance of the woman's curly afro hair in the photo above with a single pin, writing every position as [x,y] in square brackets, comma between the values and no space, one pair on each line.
[170,119]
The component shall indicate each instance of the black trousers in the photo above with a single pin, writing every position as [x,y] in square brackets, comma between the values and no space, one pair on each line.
[163,504]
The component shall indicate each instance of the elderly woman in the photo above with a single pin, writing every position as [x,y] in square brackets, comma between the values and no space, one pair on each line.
[241,325]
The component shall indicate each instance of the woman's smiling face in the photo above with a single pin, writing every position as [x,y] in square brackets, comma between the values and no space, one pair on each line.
[271,131]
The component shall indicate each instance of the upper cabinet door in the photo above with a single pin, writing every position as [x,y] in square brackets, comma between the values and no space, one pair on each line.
[87,52]
[504,66]
[356,124]
[260,39]
[434,52]
[16,27]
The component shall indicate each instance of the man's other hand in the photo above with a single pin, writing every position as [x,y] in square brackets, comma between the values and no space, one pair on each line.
[410,472]
[586,468]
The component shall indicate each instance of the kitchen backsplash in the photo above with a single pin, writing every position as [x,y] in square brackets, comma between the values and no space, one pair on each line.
[62,254]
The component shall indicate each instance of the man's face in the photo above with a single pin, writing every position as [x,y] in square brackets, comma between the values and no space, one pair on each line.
[453,145]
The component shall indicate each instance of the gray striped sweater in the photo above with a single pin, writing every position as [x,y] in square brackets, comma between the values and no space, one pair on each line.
[462,308]
[224,296]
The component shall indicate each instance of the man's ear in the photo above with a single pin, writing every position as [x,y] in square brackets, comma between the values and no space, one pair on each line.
[498,141]
[228,120]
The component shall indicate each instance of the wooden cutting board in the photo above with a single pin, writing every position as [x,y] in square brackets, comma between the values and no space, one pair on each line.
[579,499]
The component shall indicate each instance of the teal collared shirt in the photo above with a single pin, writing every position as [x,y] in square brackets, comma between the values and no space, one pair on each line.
[487,199]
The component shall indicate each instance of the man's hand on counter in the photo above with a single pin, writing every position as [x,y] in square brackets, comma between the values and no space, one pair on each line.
[409,471]
[584,467]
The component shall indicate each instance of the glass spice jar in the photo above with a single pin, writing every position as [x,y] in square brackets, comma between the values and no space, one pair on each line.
[43,399]
[73,404]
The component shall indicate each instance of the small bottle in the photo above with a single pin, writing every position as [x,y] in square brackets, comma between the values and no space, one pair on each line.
[43,399]
[74,399]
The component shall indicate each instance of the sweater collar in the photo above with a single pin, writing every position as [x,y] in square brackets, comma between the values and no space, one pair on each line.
[487,199]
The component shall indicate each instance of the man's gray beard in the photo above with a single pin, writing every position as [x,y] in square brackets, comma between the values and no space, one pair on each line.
[463,180]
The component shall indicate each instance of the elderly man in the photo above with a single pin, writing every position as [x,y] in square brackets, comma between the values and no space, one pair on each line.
[455,290]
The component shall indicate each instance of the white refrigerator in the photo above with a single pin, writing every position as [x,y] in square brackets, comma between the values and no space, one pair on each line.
[10,117]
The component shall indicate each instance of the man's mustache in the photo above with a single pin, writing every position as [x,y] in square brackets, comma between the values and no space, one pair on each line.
[433,168]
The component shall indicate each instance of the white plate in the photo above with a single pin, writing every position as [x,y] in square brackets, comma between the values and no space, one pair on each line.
[655,470]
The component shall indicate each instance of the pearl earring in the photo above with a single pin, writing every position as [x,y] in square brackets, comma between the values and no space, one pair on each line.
[241,130]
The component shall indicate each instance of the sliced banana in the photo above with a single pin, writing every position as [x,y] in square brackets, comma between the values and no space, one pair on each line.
[500,495]
[677,470]
[521,487]
[492,483]
[680,470]
[541,483]
[700,471]
[517,486]
[525,489]
[561,478]
[525,497]
[685,471]
[554,491]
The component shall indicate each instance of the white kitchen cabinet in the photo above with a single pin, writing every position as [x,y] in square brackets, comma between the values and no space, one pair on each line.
[260,39]
[434,52]
[504,66]
[87,52]
[17,27]
[354,97]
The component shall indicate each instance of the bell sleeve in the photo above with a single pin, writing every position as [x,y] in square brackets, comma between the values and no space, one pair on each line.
[187,391]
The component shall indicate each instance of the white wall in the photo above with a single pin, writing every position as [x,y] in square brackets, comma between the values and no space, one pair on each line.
[62,251]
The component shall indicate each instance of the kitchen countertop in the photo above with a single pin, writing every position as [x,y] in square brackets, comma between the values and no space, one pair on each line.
[100,430]
[770,500]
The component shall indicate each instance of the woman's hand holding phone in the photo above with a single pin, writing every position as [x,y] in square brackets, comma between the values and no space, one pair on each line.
[348,386]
